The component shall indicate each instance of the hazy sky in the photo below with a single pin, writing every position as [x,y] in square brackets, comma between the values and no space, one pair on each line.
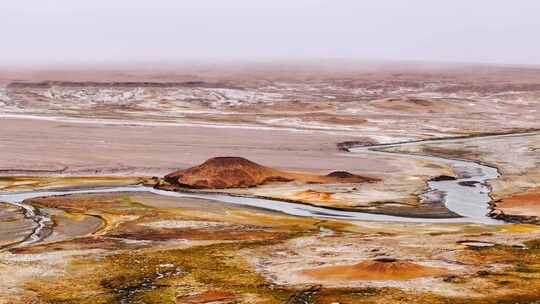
[101,31]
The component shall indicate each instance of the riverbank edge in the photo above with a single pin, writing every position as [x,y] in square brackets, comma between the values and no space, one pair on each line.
[492,211]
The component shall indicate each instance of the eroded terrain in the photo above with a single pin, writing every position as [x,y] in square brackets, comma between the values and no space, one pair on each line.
[141,247]
[298,127]
[386,103]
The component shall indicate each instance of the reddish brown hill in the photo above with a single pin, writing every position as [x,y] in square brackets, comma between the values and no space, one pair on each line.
[417,105]
[385,269]
[238,172]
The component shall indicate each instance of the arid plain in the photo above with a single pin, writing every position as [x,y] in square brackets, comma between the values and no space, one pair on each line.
[271,183]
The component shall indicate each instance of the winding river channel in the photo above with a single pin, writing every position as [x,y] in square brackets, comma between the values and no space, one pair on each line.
[467,195]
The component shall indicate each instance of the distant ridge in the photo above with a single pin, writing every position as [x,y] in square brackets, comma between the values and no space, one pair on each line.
[120,84]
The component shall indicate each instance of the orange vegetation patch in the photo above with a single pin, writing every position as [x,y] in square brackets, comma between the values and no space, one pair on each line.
[131,230]
[207,297]
[85,243]
[383,269]
[312,195]
[238,172]
[526,203]
[83,202]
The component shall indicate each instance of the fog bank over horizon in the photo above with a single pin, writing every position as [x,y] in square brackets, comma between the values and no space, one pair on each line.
[71,32]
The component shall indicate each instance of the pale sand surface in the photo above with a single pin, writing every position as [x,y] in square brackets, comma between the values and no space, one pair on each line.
[96,148]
